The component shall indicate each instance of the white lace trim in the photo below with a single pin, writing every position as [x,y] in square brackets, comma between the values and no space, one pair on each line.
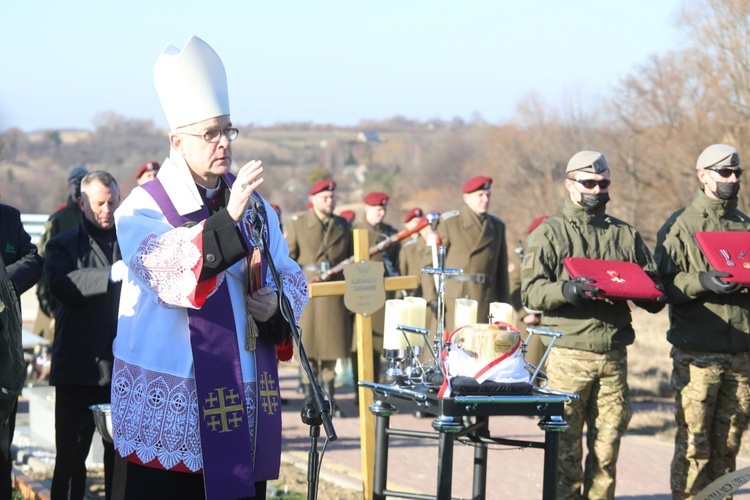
[165,265]
[295,286]
[155,416]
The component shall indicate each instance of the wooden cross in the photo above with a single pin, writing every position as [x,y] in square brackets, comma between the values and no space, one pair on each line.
[363,329]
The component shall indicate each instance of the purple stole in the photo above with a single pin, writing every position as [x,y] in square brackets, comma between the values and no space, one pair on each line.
[226,443]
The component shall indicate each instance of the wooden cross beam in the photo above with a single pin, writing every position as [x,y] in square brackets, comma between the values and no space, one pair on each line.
[363,329]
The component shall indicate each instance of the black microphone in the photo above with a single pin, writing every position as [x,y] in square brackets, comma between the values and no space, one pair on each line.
[260,207]
[258,219]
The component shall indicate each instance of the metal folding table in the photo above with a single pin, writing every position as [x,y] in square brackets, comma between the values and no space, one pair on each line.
[451,424]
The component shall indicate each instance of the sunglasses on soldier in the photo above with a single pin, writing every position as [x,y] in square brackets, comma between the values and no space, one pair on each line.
[726,172]
[592,183]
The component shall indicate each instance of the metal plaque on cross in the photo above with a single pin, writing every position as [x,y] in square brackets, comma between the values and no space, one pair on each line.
[364,291]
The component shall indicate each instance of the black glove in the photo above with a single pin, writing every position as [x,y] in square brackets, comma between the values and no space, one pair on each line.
[663,298]
[578,289]
[657,284]
[712,282]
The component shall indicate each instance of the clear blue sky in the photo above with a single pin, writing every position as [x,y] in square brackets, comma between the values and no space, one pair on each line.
[323,61]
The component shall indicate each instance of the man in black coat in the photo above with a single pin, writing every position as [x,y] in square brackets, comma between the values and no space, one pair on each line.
[24,266]
[84,271]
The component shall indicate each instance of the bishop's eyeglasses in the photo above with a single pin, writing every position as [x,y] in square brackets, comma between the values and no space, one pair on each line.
[212,136]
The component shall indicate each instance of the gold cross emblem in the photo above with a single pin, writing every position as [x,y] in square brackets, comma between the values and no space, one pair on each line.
[218,406]
[269,394]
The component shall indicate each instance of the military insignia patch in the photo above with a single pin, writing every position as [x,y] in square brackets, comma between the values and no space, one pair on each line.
[528,261]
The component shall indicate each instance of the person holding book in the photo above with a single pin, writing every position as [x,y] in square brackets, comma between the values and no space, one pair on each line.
[709,328]
[590,359]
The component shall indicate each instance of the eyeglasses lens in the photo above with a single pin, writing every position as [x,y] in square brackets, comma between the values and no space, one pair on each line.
[592,183]
[727,172]
[215,135]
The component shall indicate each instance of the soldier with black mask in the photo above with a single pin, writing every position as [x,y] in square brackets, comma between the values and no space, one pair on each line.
[590,359]
[709,328]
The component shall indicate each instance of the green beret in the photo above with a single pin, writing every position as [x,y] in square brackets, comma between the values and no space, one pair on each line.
[718,155]
[588,161]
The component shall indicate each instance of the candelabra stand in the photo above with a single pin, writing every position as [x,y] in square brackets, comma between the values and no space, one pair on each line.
[441,273]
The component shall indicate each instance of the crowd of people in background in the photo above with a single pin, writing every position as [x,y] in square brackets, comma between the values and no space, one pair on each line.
[79,271]
[134,296]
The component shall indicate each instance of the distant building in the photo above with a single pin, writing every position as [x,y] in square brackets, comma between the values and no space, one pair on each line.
[368,137]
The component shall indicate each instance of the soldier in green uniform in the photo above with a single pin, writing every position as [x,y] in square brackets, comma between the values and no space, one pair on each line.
[376,206]
[475,242]
[66,217]
[709,329]
[319,239]
[590,359]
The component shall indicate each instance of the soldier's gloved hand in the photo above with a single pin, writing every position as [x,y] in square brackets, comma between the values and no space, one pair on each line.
[578,289]
[712,282]
[657,284]
[663,298]
[653,306]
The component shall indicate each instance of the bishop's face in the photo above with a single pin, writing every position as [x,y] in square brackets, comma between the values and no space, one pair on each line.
[206,160]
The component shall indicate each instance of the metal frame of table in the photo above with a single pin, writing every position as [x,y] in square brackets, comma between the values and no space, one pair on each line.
[449,427]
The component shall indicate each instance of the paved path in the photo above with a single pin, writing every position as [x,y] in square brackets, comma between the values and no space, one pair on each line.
[643,467]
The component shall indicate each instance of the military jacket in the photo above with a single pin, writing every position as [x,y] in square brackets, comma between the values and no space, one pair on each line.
[597,325]
[701,320]
[480,250]
[413,256]
[325,322]
[389,258]
[378,233]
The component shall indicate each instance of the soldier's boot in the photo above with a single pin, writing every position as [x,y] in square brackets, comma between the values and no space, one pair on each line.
[329,388]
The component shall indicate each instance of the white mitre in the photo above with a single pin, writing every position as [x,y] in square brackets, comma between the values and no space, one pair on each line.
[191,84]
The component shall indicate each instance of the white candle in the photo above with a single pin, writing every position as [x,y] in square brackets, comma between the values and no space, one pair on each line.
[501,311]
[466,313]
[417,318]
[396,313]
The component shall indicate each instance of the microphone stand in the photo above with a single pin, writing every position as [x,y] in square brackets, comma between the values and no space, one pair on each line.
[320,411]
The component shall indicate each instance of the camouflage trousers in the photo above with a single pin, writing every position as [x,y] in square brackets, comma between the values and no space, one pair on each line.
[600,380]
[712,406]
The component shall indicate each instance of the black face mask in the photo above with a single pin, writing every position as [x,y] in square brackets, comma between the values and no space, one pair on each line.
[727,190]
[594,201]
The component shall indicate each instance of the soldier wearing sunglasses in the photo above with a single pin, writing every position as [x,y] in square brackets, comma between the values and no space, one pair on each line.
[590,359]
[709,329]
